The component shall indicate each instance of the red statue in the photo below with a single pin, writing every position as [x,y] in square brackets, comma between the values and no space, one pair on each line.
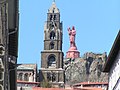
[72,52]
[72,34]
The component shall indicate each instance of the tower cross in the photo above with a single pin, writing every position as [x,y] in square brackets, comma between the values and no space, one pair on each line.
[53,0]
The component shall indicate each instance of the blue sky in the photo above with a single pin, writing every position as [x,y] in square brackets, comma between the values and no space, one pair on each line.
[97,23]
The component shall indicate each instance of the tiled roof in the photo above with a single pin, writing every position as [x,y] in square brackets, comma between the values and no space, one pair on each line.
[27,82]
[84,88]
[91,83]
[88,88]
[39,88]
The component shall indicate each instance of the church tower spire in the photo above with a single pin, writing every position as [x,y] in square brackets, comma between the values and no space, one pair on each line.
[52,55]
[53,8]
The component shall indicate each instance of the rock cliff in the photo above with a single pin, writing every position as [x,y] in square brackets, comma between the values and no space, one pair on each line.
[87,68]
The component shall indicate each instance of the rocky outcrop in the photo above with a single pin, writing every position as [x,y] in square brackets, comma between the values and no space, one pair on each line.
[87,68]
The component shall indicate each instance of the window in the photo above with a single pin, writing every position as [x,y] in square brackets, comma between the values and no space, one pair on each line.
[51,61]
[52,35]
[50,17]
[26,77]
[54,17]
[55,24]
[20,76]
[51,45]
[49,76]
[53,10]
[53,77]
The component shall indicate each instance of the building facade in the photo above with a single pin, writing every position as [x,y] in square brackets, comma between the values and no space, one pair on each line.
[27,72]
[112,65]
[52,55]
[9,24]
[25,85]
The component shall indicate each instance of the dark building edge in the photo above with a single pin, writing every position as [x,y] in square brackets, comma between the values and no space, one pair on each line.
[112,55]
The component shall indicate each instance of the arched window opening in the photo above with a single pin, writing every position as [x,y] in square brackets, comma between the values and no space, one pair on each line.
[51,45]
[52,26]
[53,10]
[55,25]
[52,35]
[51,61]
[20,76]
[49,77]
[50,17]
[26,77]
[54,17]
[53,77]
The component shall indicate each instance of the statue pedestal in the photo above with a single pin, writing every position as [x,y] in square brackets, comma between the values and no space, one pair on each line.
[73,53]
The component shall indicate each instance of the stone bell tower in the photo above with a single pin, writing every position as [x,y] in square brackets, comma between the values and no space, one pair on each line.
[52,55]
